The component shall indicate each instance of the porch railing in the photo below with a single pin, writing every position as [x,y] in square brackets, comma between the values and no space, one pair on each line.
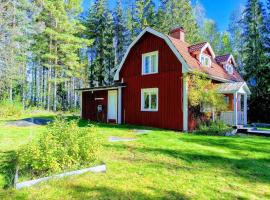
[228,117]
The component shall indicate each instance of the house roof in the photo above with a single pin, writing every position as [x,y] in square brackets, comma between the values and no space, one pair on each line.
[215,71]
[106,87]
[189,63]
[196,47]
[229,88]
[223,58]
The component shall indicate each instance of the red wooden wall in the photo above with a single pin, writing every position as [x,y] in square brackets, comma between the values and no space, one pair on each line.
[168,80]
[90,104]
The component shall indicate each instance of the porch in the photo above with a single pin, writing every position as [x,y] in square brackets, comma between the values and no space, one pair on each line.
[236,95]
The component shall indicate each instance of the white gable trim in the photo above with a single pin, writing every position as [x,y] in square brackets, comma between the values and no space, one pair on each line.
[231,57]
[207,45]
[185,67]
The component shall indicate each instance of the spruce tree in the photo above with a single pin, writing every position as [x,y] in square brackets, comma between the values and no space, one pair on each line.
[255,61]
[179,13]
[120,33]
[100,30]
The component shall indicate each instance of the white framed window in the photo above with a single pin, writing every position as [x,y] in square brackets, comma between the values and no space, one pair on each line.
[205,60]
[229,69]
[150,63]
[149,99]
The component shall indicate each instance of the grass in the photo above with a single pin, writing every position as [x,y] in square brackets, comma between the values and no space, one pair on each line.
[159,165]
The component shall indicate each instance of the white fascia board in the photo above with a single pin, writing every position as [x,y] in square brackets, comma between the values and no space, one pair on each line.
[207,45]
[185,67]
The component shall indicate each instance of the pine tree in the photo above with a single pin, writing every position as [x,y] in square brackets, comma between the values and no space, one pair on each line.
[236,31]
[120,33]
[131,23]
[179,13]
[211,34]
[255,61]
[60,45]
[100,29]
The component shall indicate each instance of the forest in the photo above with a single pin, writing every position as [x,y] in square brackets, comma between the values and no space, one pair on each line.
[48,48]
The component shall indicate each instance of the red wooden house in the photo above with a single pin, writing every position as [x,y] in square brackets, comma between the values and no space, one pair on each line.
[151,87]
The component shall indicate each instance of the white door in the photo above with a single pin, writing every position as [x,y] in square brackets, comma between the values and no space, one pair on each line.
[112,105]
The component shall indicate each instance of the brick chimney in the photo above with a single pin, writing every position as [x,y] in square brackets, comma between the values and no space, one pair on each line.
[178,33]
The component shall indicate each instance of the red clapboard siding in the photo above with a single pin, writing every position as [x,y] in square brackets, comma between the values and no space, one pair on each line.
[168,80]
[90,104]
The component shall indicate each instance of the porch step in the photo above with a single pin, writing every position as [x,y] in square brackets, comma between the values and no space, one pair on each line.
[253,131]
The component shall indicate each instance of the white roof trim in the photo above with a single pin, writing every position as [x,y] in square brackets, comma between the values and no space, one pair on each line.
[185,67]
[245,88]
[207,45]
[231,57]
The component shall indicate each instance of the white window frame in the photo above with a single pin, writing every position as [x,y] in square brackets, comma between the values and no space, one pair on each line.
[143,62]
[209,59]
[149,91]
[229,69]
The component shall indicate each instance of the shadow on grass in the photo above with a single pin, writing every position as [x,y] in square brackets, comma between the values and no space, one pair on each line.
[253,169]
[82,192]
[253,144]
[8,167]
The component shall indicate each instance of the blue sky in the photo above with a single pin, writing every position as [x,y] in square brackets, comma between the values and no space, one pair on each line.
[218,10]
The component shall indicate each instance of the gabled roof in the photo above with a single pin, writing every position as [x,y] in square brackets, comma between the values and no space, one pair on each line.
[201,47]
[185,67]
[230,88]
[196,47]
[215,72]
[225,58]
[181,50]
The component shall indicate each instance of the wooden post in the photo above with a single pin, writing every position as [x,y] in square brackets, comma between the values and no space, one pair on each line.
[245,109]
[235,113]
[119,106]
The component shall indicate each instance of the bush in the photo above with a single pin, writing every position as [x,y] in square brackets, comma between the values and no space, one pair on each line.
[9,108]
[213,128]
[62,147]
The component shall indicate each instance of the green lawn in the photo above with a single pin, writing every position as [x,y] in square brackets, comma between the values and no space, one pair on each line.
[158,165]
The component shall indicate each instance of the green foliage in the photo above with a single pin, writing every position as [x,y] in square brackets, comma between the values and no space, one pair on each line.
[63,146]
[203,92]
[178,13]
[256,60]
[213,128]
[10,108]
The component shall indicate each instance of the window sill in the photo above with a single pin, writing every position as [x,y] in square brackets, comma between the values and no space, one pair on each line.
[149,110]
[144,74]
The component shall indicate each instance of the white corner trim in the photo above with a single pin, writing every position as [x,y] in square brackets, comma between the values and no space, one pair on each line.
[207,45]
[185,67]
[119,106]
[185,102]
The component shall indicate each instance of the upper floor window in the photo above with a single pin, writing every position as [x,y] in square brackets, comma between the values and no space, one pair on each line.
[205,60]
[229,69]
[150,63]
[149,99]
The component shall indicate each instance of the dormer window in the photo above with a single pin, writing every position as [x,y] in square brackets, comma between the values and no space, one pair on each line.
[205,60]
[150,63]
[229,69]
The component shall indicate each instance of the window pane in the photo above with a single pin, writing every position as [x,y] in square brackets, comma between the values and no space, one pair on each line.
[153,101]
[146,101]
[154,63]
[206,61]
[202,60]
[146,64]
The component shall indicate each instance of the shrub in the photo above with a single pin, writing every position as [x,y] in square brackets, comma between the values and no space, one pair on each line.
[63,146]
[213,128]
[9,108]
